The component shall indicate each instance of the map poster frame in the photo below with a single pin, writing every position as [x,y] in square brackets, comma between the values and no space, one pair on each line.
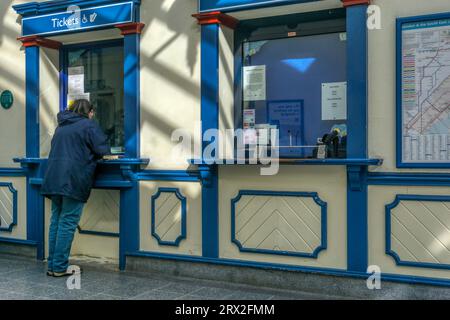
[422,140]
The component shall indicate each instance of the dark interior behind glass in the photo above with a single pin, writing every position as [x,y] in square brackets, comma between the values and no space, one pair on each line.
[103,81]
[297,65]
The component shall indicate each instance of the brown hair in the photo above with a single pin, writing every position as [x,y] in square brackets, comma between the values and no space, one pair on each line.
[82,106]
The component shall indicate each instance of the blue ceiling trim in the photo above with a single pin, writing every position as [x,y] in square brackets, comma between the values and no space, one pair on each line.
[39,8]
[235,5]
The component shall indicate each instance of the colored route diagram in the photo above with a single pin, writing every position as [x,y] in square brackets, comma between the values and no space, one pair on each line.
[426,91]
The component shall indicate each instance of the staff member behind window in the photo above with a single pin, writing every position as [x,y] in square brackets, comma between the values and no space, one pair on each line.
[76,146]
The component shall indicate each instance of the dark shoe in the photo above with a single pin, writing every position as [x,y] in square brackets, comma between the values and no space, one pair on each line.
[50,273]
[61,274]
[67,273]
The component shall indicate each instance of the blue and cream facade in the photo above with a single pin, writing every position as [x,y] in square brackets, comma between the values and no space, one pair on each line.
[333,216]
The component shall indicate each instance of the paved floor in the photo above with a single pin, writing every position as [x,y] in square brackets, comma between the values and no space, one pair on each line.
[25,279]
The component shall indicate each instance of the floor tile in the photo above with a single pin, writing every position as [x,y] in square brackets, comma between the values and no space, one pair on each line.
[182,287]
[158,295]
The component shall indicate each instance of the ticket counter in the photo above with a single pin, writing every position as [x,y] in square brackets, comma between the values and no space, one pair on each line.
[346,194]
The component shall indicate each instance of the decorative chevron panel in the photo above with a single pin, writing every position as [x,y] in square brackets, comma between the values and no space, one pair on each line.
[283,223]
[418,231]
[101,214]
[168,216]
[8,207]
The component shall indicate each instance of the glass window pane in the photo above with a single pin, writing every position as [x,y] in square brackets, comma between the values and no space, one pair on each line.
[297,69]
[103,80]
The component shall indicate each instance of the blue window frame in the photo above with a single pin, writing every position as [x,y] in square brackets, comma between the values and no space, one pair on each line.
[423,117]
[298,54]
[102,69]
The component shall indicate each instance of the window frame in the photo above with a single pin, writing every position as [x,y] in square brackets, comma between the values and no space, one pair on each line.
[400,163]
[243,32]
[63,77]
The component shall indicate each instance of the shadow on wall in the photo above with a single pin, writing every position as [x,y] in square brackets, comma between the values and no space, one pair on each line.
[176,15]
[8,33]
[173,13]
[12,66]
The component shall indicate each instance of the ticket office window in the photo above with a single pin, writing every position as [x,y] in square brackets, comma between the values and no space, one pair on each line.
[95,72]
[293,78]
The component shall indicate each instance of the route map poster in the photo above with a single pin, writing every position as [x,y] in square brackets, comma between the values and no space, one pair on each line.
[425,91]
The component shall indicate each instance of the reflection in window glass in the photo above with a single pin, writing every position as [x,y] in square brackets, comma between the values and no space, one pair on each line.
[284,82]
[101,71]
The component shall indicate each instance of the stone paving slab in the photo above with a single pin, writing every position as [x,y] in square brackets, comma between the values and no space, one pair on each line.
[25,279]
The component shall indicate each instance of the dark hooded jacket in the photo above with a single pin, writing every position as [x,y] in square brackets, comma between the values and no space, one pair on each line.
[76,146]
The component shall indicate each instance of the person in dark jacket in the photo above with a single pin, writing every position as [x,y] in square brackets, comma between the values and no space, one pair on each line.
[76,146]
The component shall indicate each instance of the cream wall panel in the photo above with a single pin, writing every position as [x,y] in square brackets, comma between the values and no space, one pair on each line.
[12,77]
[7,195]
[170,79]
[95,246]
[330,184]
[101,212]
[382,76]
[226,89]
[417,230]
[20,230]
[168,216]
[420,229]
[192,245]
[49,98]
[278,223]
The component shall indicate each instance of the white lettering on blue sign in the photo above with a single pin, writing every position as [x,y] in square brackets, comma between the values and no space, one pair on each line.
[78,19]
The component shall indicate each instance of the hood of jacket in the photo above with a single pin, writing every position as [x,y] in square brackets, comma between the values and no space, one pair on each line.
[68,117]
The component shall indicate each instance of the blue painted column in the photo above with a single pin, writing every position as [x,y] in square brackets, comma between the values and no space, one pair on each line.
[35,202]
[35,206]
[129,198]
[357,228]
[210,120]
[210,28]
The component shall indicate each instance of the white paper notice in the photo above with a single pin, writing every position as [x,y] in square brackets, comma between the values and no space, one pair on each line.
[250,136]
[76,80]
[334,101]
[254,83]
[249,118]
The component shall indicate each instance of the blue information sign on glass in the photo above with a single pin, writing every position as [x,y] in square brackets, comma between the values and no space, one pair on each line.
[76,20]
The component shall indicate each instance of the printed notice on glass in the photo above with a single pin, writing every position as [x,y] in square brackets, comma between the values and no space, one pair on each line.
[254,83]
[249,118]
[76,80]
[425,91]
[334,101]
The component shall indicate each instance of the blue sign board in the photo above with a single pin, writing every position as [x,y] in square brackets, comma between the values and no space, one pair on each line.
[78,19]
[232,5]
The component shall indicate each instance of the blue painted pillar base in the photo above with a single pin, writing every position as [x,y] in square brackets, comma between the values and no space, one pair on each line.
[357,227]
[129,198]
[210,210]
[129,223]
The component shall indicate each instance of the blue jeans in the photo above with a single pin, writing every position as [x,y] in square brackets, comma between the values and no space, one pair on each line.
[66,214]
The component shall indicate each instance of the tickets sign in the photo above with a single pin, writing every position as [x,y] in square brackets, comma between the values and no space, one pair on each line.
[76,19]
